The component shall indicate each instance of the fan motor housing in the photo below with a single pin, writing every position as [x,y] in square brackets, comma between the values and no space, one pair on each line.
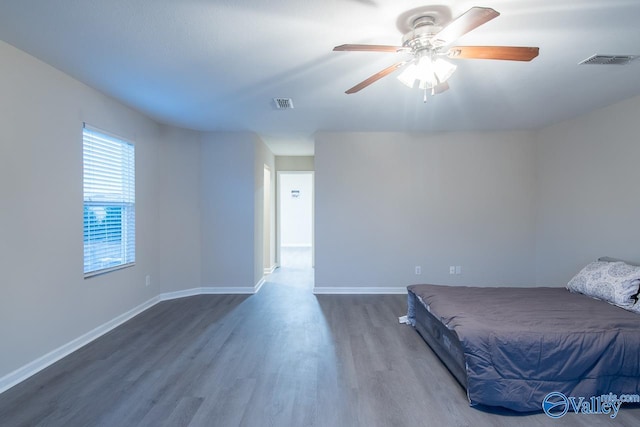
[419,38]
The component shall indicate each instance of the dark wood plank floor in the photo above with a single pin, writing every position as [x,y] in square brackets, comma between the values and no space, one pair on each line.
[282,357]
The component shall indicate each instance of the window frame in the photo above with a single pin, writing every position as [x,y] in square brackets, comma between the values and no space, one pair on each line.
[94,202]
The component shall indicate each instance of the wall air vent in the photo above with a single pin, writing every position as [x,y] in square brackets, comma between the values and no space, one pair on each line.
[609,59]
[283,103]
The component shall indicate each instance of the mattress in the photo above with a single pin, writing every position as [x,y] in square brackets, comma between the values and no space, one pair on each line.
[519,344]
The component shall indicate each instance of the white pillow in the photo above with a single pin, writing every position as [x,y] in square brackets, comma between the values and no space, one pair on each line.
[614,282]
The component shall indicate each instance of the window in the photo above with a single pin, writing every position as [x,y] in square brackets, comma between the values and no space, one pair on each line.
[109,202]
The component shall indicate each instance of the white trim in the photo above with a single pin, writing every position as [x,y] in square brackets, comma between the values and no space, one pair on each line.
[180,294]
[296,246]
[258,285]
[213,290]
[50,358]
[92,128]
[270,270]
[313,213]
[32,368]
[352,290]
[95,273]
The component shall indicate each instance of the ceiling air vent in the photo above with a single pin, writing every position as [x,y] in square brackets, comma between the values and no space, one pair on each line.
[609,59]
[283,103]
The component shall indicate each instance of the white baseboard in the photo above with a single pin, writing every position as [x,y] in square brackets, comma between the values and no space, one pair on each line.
[296,246]
[50,358]
[180,294]
[354,290]
[258,285]
[269,270]
[217,290]
[212,290]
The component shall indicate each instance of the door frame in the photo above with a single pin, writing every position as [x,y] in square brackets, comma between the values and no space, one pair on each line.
[269,262]
[279,216]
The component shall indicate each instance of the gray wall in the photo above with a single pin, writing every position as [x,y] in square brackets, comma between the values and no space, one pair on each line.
[178,192]
[45,301]
[231,195]
[196,210]
[512,208]
[588,202]
[387,202]
[294,163]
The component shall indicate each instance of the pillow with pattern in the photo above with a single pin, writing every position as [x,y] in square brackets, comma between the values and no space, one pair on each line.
[614,282]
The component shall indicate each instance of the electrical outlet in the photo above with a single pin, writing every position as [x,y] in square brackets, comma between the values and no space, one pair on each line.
[147,280]
[452,269]
[418,270]
[458,269]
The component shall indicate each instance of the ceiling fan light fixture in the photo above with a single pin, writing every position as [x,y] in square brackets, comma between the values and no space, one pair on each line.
[443,69]
[428,41]
[426,72]
[408,76]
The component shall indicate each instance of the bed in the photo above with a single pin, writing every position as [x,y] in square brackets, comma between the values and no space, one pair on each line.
[510,347]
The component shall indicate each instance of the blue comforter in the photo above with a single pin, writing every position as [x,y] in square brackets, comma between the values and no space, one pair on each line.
[522,343]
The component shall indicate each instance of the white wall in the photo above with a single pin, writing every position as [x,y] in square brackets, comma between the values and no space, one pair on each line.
[588,201]
[45,301]
[296,214]
[387,202]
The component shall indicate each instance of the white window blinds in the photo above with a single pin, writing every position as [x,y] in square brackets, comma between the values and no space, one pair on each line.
[109,202]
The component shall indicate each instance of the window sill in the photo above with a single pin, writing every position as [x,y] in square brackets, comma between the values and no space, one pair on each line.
[107,270]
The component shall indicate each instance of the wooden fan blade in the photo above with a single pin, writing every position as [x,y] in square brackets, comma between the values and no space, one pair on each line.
[464,23]
[377,76]
[509,53]
[367,48]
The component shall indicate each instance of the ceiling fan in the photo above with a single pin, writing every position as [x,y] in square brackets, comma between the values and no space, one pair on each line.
[430,43]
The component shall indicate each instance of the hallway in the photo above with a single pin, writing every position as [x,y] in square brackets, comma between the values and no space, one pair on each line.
[296,257]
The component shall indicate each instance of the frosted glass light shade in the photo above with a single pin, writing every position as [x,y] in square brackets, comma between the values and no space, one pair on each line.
[426,72]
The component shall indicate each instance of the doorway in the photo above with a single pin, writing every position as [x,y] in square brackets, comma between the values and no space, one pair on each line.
[295,219]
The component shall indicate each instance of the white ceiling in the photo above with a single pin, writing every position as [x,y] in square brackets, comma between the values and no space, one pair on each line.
[217,64]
